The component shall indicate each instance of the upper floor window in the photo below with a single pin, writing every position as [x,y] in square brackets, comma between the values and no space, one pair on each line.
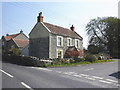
[69,42]
[76,43]
[59,41]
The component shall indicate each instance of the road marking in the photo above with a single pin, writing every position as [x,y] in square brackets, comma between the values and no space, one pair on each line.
[6,73]
[84,75]
[89,69]
[58,71]
[77,75]
[112,80]
[72,72]
[67,73]
[26,85]
[89,78]
[44,69]
[105,81]
[97,77]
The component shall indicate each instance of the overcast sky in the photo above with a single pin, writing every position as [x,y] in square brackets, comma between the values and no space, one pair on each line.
[23,15]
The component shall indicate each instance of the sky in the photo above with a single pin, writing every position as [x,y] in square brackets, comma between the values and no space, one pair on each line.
[23,15]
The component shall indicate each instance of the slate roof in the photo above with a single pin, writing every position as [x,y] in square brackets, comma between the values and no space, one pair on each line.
[62,31]
[21,43]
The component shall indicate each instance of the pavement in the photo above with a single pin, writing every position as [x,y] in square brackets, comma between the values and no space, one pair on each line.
[102,75]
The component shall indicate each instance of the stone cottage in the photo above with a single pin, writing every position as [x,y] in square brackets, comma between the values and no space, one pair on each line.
[19,40]
[51,41]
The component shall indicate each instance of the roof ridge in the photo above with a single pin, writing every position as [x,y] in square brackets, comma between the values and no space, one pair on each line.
[56,25]
[14,34]
[20,39]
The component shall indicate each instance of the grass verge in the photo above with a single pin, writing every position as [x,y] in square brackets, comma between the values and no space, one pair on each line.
[78,63]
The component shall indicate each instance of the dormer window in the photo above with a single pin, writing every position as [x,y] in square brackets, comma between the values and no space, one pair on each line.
[59,41]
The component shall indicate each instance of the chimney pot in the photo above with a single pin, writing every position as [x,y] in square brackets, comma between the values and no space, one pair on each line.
[7,34]
[72,28]
[21,31]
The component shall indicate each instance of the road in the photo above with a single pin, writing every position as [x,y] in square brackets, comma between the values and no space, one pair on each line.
[83,76]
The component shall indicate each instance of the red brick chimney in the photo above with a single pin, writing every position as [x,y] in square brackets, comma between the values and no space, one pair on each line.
[72,28]
[40,17]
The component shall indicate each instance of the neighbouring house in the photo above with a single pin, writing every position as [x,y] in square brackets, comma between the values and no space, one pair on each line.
[19,41]
[52,41]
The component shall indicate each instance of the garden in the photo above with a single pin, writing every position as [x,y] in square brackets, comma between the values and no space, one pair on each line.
[74,57]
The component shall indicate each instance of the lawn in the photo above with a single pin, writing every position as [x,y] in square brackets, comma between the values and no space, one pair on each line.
[78,63]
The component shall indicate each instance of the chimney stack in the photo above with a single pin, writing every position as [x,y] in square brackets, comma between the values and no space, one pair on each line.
[40,17]
[72,28]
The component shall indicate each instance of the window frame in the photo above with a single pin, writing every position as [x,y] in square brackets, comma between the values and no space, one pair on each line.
[77,43]
[69,43]
[60,51]
[60,40]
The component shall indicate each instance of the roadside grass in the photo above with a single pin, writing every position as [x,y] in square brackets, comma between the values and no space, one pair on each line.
[78,63]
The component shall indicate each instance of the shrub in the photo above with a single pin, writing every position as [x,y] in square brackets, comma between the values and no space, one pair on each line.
[79,59]
[90,58]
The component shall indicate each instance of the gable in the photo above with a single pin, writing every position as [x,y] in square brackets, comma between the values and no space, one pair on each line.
[21,36]
[39,30]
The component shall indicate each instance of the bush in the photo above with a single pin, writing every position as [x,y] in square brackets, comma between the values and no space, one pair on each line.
[90,58]
[79,59]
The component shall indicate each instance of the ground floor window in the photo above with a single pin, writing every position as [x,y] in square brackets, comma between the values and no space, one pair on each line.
[59,53]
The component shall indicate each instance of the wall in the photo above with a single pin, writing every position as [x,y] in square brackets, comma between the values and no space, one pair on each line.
[39,41]
[25,50]
[53,45]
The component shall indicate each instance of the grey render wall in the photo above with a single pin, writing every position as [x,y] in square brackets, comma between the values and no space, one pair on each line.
[53,45]
[39,41]
[25,50]
[39,47]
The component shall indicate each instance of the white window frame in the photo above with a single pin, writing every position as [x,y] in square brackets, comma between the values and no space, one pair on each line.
[58,51]
[61,40]
[68,41]
[77,40]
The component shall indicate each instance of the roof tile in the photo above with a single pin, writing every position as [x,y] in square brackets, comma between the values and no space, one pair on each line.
[21,43]
[62,31]
[9,37]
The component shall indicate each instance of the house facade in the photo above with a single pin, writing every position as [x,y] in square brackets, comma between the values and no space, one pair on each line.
[19,40]
[51,41]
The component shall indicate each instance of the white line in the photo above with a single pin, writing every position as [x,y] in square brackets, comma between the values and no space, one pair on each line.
[105,81]
[6,73]
[77,75]
[26,85]
[58,71]
[67,73]
[112,80]
[89,69]
[44,69]
[84,75]
[72,72]
[90,78]
[97,77]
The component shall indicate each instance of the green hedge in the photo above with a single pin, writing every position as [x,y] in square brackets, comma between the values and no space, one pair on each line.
[90,58]
[27,61]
